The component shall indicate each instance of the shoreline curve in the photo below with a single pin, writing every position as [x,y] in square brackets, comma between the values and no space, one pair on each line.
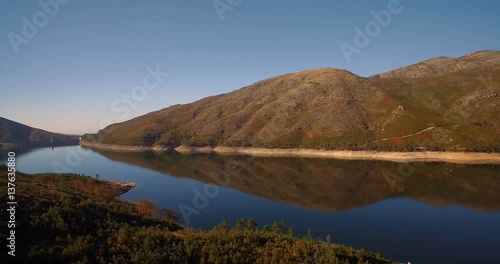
[417,156]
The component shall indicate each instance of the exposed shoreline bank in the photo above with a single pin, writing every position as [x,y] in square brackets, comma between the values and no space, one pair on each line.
[122,187]
[423,156]
[116,147]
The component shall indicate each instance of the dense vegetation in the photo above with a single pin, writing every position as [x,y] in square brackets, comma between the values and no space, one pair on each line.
[437,105]
[68,218]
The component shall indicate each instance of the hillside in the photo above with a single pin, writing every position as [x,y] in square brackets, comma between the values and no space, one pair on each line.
[443,65]
[453,107]
[68,218]
[16,134]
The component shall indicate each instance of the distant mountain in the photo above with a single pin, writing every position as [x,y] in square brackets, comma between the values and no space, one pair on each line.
[441,65]
[13,134]
[439,104]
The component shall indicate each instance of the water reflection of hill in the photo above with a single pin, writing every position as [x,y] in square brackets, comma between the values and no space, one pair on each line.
[332,185]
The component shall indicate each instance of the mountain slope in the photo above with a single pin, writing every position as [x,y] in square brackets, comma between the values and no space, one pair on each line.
[442,65]
[335,109]
[17,134]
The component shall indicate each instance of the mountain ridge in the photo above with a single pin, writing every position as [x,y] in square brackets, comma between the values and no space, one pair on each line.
[331,108]
[14,134]
[443,64]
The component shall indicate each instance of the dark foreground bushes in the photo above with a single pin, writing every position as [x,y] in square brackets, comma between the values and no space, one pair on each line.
[72,219]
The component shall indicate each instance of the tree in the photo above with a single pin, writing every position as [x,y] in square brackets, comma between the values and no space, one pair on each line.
[241,224]
[309,233]
[146,207]
[222,227]
[279,227]
[251,225]
[168,214]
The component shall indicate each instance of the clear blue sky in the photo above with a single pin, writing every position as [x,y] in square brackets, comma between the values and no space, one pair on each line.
[66,77]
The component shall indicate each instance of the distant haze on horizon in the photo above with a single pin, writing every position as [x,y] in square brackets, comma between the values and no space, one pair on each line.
[81,68]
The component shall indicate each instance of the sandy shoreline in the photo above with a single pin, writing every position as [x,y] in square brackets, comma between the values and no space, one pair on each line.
[122,187]
[424,156]
[115,147]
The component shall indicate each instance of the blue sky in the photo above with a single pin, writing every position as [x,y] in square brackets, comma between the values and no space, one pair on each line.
[69,76]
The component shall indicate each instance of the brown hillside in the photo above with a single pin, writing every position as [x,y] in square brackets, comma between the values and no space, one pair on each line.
[336,109]
[440,65]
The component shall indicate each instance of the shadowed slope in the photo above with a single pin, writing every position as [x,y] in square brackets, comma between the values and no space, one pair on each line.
[16,134]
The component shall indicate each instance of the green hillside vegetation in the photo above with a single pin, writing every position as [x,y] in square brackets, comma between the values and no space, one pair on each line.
[69,218]
[437,105]
[13,134]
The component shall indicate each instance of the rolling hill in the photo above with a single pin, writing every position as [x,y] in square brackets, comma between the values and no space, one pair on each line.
[13,134]
[439,104]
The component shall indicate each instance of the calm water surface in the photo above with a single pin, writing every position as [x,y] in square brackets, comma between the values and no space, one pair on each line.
[423,212]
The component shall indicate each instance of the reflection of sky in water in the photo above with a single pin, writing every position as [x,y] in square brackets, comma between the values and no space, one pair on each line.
[398,228]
